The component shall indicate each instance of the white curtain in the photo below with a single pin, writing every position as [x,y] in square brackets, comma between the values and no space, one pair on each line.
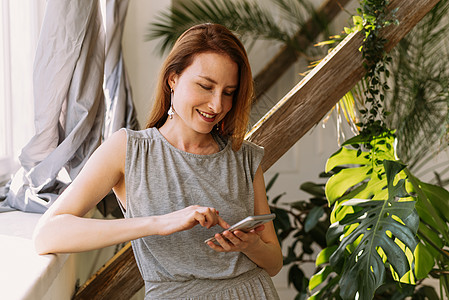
[20,23]
[69,112]
[120,110]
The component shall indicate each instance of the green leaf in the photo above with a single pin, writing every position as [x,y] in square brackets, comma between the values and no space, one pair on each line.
[272,181]
[344,156]
[365,265]
[313,217]
[368,168]
[424,261]
[426,204]
[334,232]
[276,199]
[282,220]
[339,183]
[358,139]
[324,255]
[392,168]
[318,294]
[426,215]
[313,189]
[426,292]
[439,197]
[297,277]
[357,20]
[426,234]
[319,277]
[384,230]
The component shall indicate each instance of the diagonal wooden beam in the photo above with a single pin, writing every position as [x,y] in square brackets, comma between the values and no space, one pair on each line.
[287,55]
[118,279]
[307,103]
[278,130]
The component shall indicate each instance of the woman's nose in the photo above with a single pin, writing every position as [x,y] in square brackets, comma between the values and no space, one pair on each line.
[215,103]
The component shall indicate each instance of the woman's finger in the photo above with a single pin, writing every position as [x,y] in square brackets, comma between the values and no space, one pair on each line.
[235,240]
[224,243]
[200,218]
[222,223]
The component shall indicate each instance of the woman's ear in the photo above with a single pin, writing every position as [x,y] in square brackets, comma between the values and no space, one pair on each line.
[172,78]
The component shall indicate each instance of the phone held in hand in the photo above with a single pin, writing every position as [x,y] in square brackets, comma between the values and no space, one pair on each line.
[248,224]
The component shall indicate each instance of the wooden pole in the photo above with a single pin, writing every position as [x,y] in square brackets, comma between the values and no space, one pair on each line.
[307,103]
[287,56]
[118,279]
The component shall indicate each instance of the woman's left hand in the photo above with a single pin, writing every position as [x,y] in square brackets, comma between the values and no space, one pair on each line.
[237,240]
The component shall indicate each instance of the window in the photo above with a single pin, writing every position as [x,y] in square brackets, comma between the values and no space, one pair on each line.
[19,30]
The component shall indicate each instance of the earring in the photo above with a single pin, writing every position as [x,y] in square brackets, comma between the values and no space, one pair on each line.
[171,111]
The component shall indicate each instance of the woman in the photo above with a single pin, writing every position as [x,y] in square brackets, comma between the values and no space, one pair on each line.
[189,167]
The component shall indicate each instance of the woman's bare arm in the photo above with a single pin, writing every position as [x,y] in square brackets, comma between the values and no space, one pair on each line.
[64,229]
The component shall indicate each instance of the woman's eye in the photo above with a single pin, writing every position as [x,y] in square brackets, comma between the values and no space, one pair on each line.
[229,93]
[205,87]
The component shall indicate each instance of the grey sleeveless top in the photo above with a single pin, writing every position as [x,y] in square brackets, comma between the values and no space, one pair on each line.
[161,179]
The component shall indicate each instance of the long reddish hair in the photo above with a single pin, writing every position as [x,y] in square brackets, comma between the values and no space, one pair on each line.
[200,39]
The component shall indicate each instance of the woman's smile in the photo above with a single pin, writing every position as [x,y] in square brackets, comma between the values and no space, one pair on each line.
[207,116]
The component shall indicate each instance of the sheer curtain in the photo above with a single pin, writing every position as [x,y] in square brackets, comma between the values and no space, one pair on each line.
[74,55]
[20,23]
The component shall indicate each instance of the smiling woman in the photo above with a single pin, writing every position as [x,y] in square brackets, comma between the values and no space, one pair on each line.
[203,39]
[190,167]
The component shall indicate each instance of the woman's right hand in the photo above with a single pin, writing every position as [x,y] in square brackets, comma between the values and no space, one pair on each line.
[188,218]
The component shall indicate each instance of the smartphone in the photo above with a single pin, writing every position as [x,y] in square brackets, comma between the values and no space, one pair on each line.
[248,224]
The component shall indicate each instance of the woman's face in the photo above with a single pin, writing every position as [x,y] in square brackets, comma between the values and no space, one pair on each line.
[204,91]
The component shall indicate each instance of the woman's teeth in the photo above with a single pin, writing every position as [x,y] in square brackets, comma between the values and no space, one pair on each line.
[206,115]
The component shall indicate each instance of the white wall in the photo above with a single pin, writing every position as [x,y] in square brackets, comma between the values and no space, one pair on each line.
[141,59]
[302,163]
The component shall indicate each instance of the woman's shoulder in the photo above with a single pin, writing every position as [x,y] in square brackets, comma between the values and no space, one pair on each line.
[248,146]
[140,134]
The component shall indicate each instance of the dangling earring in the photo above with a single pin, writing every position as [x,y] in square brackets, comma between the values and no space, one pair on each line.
[171,111]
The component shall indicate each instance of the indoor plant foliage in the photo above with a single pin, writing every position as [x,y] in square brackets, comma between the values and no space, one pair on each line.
[301,227]
[385,223]
[420,87]
[247,18]
[378,229]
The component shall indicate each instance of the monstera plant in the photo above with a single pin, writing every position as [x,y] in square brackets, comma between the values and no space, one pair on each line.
[381,230]
[384,220]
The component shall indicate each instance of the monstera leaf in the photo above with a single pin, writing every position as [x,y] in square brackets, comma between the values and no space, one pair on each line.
[383,231]
[374,231]
[366,166]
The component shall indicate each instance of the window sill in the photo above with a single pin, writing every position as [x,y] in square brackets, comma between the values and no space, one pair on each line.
[27,275]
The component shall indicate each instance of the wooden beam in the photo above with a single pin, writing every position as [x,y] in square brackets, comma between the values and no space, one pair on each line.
[287,56]
[307,103]
[118,279]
